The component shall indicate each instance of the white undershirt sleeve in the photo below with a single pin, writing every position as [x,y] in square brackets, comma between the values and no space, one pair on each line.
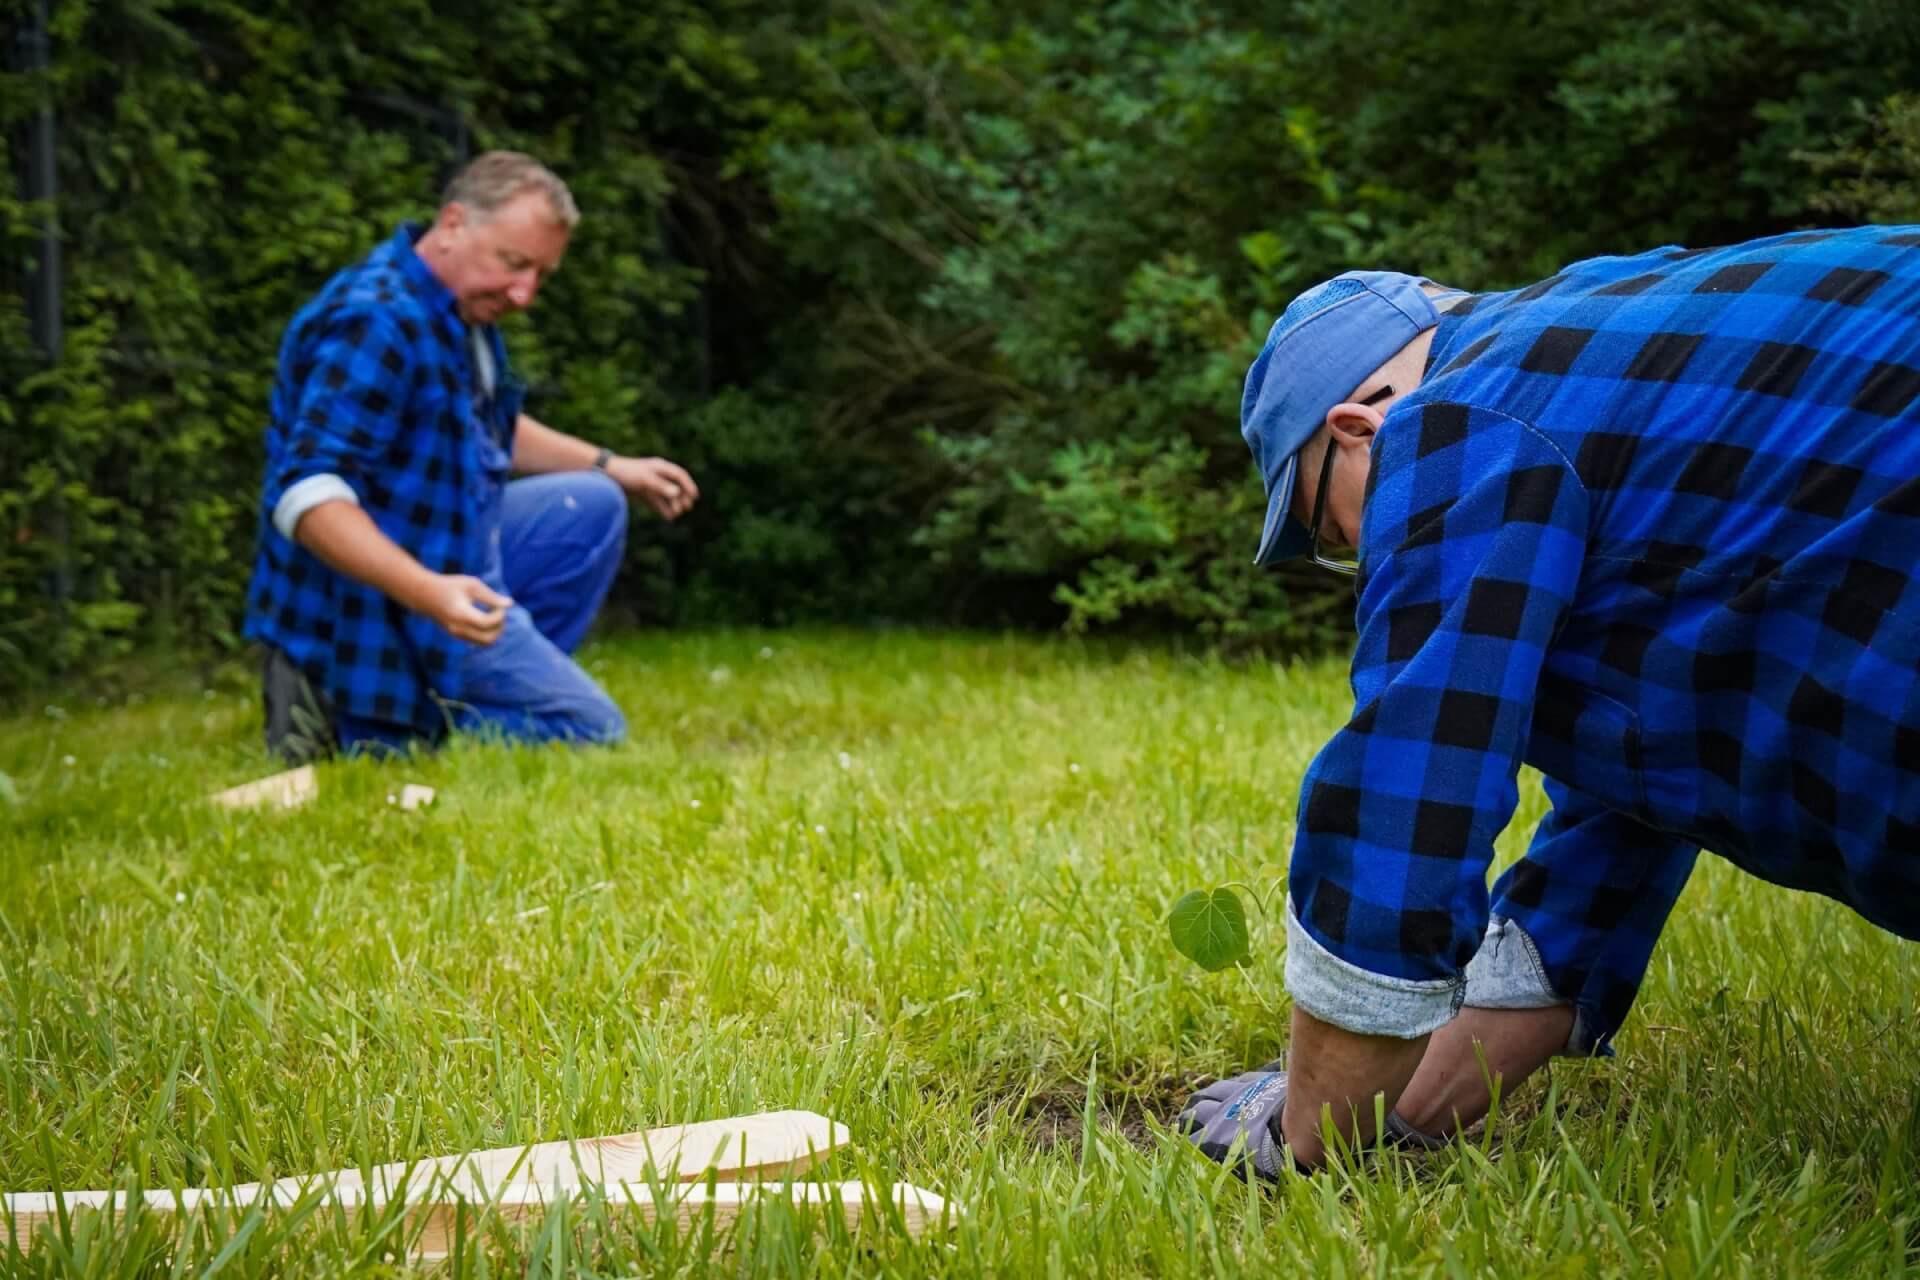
[304,495]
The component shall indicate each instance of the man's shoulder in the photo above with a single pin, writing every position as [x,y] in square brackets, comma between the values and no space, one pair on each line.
[380,295]
[372,294]
[1457,419]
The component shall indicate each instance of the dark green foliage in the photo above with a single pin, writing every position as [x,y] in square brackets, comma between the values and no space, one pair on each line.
[946,304]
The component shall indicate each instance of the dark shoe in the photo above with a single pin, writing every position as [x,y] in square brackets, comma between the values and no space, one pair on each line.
[299,717]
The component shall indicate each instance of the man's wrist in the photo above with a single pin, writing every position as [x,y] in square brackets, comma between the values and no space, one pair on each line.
[413,588]
[601,458]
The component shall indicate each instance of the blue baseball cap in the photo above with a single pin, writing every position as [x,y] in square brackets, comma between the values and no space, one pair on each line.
[1317,354]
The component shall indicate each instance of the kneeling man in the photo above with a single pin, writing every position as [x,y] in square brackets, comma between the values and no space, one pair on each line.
[403,587]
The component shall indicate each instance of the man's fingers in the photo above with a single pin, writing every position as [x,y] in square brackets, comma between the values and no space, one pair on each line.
[484,594]
[678,474]
[481,628]
[668,499]
[476,612]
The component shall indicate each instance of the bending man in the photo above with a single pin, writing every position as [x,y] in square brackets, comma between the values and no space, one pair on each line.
[1651,525]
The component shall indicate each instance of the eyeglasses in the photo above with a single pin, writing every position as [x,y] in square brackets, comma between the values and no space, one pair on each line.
[1349,568]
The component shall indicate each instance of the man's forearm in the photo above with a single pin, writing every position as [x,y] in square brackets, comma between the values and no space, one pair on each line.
[1479,1051]
[1330,1067]
[344,536]
[539,449]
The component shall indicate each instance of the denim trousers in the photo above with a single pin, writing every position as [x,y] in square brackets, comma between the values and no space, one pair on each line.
[555,547]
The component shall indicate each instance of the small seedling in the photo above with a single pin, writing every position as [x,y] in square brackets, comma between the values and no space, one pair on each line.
[1209,927]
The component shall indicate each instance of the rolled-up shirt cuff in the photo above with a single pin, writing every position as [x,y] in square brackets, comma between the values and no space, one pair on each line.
[1507,973]
[304,495]
[1360,1000]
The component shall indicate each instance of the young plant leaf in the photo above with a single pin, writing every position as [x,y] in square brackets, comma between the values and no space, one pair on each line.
[1209,927]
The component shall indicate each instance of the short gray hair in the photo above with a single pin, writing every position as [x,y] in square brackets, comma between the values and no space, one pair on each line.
[493,178]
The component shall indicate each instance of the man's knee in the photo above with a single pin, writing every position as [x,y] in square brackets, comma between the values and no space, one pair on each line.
[582,721]
[600,722]
[599,502]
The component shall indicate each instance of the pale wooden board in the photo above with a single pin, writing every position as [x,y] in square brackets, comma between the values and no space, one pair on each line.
[433,1221]
[769,1145]
[287,790]
[433,1226]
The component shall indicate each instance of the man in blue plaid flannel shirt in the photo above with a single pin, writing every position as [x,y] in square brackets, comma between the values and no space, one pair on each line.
[402,587]
[1651,525]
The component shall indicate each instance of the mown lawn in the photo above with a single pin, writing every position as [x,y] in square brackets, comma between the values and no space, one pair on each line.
[916,882]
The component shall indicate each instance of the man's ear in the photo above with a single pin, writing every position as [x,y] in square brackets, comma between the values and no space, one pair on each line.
[1353,424]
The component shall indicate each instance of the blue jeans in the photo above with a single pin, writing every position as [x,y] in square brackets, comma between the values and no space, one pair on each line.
[557,545]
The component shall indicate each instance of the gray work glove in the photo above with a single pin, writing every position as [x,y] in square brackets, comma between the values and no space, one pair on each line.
[1244,1109]
[1247,1108]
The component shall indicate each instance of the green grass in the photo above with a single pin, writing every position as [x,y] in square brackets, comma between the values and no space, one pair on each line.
[916,882]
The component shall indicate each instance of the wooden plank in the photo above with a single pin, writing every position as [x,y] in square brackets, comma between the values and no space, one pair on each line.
[769,1145]
[287,790]
[433,1221]
[432,1227]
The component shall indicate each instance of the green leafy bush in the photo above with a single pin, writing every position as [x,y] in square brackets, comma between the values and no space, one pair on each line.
[947,304]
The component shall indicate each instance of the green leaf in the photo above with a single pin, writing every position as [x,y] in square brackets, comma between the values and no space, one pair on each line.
[1209,927]
[8,791]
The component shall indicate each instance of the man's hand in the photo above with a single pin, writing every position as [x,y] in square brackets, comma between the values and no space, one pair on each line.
[465,607]
[1236,1122]
[344,536]
[664,486]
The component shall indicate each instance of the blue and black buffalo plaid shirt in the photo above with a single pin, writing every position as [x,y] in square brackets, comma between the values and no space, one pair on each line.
[376,385]
[1651,525]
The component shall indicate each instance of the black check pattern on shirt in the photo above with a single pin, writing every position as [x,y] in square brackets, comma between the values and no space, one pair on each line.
[375,386]
[1653,528]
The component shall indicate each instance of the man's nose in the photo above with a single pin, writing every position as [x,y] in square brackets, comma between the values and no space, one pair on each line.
[520,292]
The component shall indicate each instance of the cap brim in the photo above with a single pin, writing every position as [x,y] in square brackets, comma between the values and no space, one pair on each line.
[1282,538]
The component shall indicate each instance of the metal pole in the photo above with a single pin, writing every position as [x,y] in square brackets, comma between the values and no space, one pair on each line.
[42,185]
[32,55]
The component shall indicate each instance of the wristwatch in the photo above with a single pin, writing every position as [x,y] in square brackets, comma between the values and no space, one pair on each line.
[601,459]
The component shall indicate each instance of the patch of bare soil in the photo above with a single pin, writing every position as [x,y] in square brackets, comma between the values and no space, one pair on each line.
[1054,1118]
